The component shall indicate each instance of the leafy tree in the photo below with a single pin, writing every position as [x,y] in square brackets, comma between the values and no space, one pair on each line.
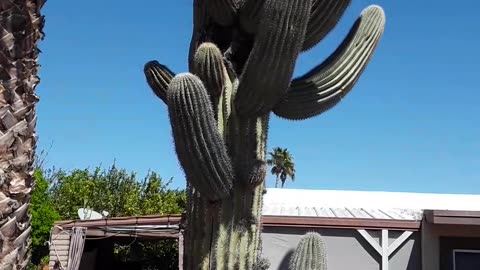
[115,191]
[122,194]
[43,215]
[282,165]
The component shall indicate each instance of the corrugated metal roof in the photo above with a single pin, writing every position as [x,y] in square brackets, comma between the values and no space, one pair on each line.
[311,211]
[362,204]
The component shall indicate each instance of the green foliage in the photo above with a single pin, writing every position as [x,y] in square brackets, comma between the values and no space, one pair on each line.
[44,216]
[115,191]
[157,198]
[122,194]
[59,194]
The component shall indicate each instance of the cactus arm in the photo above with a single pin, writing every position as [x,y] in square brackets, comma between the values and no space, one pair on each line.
[269,68]
[324,17]
[248,149]
[209,67]
[324,87]
[158,77]
[199,146]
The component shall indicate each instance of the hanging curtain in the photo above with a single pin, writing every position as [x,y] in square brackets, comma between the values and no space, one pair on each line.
[77,242]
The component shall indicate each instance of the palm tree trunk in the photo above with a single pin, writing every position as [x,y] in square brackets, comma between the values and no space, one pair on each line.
[20,31]
[276,181]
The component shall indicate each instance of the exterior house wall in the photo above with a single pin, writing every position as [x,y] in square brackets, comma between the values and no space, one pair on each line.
[346,249]
[430,247]
[60,244]
[439,240]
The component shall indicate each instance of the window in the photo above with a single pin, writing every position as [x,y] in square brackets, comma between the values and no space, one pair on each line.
[466,259]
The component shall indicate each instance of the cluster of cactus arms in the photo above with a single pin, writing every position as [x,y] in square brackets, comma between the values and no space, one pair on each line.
[241,62]
[310,254]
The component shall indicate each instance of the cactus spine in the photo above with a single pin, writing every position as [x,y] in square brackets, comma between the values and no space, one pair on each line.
[241,59]
[310,254]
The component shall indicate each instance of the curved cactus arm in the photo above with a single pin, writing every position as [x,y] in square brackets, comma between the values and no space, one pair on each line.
[269,68]
[249,15]
[158,78]
[199,146]
[325,86]
[324,17]
[309,254]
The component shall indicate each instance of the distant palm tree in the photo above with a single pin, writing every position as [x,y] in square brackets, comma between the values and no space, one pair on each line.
[282,165]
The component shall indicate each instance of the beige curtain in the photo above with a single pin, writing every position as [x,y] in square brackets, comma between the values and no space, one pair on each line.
[77,242]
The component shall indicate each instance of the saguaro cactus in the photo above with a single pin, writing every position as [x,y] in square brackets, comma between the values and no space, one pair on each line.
[241,61]
[310,254]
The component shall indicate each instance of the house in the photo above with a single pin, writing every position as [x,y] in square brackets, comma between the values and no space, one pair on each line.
[376,230]
[362,229]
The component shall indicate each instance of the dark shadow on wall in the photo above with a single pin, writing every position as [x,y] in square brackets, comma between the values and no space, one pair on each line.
[286,260]
[415,259]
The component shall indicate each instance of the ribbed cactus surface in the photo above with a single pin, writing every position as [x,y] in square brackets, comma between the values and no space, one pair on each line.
[310,254]
[241,60]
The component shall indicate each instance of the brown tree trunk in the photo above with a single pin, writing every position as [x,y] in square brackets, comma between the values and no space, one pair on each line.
[20,31]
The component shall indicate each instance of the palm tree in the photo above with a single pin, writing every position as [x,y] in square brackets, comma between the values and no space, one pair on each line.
[20,31]
[282,165]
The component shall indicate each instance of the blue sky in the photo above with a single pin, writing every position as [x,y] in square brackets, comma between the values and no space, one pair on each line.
[409,124]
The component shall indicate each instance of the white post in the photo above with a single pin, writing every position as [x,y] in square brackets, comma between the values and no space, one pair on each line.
[385,250]
[180,250]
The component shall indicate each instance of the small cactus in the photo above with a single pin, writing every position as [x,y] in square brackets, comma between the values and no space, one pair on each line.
[310,254]
[241,60]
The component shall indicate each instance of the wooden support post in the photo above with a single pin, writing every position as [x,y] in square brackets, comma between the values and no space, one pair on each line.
[385,250]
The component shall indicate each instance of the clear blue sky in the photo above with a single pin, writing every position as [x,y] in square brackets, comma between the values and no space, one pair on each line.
[410,124]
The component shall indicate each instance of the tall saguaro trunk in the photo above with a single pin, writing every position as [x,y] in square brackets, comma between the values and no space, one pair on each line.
[241,61]
[21,27]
